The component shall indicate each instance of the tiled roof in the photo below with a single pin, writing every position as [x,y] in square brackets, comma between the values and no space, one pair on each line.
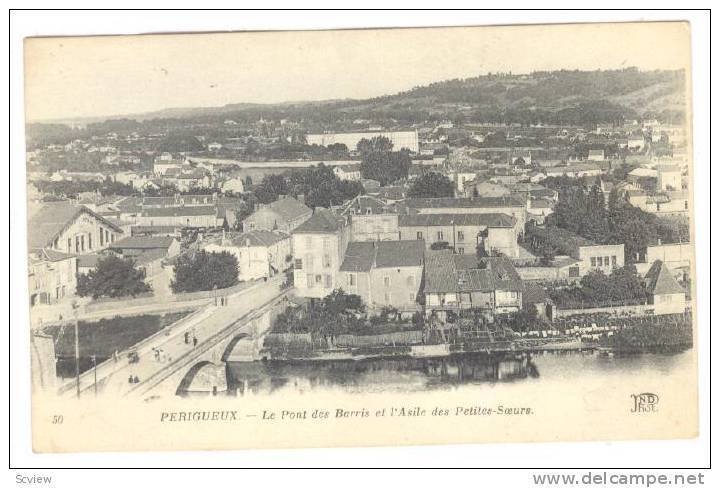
[143,242]
[51,219]
[363,256]
[322,221]
[660,281]
[179,211]
[288,208]
[448,273]
[478,202]
[429,220]
[258,238]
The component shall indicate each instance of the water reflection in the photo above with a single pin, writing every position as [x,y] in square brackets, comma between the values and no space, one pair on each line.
[367,375]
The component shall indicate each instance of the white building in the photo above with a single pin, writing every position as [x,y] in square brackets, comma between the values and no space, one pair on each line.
[260,253]
[400,139]
[319,248]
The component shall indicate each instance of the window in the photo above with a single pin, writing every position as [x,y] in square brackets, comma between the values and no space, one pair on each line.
[411,297]
[328,281]
[326,243]
[89,241]
[574,272]
[69,248]
[461,236]
[308,242]
[461,250]
[607,260]
[351,279]
[318,279]
[386,281]
[77,244]
[686,205]
[440,235]
[614,260]
[102,237]
[592,262]
[419,236]
[387,297]
[326,261]
[107,235]
[310,281]
[298,264]
[309,261]
[112,237]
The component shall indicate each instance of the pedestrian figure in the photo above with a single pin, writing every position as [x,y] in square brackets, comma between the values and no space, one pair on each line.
[130,379]
[187,337]
[136,379]
[195,341]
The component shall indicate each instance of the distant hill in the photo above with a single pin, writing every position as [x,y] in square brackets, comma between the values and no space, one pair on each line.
[565,96]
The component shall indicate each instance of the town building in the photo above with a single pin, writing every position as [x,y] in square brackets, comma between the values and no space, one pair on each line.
[669,177]
[457,282]
[372,219]
[665,293]
[596,155]
[384,273]
[52,276]
[70,228]
[513,206]
[260,253]
[400,139]
[319,248]
[348,172]
[285,215]
[192,216]
[585,255]
[494,233]
[578,170]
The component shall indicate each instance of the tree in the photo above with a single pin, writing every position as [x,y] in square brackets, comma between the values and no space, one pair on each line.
[432,185]
[271,188]
[204,271]
[114,277]
[380,162]
[376,144]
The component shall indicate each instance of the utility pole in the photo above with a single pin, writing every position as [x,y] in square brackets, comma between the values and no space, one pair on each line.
[94,360]
[77,349]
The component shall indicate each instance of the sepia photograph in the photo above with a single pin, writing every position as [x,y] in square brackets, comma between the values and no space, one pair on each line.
[361,237]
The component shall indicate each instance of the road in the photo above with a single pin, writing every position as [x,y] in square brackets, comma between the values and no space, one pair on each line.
[112,376]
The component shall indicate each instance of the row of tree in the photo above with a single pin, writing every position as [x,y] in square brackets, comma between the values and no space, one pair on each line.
[583,211]
[597,289]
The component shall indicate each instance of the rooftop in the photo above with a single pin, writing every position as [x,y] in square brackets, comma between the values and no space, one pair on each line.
[143,242]
[288,208]
[482,220]
[447,273]
[363,256]
[52,218]
[322,221]
[476,202]
[660,281]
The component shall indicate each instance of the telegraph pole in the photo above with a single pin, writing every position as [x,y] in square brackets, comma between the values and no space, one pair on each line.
[94,360]
[77,349]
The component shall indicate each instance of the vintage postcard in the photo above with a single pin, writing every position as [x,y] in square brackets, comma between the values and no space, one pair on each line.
[361,237]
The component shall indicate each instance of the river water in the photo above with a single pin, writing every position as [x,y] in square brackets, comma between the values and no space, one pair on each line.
[422,374]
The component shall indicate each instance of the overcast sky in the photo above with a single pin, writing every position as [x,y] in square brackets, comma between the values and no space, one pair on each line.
[98,76]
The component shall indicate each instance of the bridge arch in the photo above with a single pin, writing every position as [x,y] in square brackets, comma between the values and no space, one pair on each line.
[204,377]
